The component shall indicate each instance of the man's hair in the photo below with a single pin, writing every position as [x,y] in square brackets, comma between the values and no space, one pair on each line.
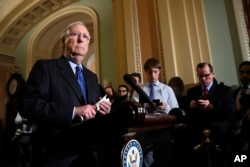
[123,86]
[66,32]
[203,64]
[176,81]
[152,63]
[244,63]
[136,74]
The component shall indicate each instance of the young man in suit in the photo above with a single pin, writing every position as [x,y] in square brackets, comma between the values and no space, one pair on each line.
[54,100]
[209,106]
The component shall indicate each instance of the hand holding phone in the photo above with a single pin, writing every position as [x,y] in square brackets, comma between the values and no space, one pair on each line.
[157,102]
[197,98]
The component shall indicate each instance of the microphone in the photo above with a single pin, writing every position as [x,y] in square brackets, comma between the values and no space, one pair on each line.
[143,97]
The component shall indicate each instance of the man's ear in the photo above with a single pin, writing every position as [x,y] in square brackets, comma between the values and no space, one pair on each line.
[63,40]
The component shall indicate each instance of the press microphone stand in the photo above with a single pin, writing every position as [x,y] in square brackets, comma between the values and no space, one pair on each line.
[208,144]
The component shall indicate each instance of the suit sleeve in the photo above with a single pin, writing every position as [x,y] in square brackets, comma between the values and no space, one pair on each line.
[43,99]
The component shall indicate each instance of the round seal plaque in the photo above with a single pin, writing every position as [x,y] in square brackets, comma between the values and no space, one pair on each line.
[132,154]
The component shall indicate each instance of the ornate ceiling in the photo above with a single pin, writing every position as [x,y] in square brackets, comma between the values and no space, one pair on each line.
[21,16]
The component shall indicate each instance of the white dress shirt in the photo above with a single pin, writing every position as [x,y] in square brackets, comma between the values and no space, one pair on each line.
[162,92]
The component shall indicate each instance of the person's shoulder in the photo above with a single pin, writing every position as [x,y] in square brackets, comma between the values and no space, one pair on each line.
[145,85]
[221,87]
[164,86]
[224,86]
[161,83]
[236,89]
[46,61]
[195,87]
[88,71]
[193,90]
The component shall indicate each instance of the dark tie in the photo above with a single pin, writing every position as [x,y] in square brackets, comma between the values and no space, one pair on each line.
[243,90]
[81,81]
[152,92]
[205,93]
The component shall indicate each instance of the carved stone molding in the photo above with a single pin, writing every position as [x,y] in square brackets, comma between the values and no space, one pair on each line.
[17,27]
[159,38]
[136,35]
[7,59]
[242,29]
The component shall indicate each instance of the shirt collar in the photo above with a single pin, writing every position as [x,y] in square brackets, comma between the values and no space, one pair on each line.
[208,86]
[155,83]
[248,86]
[73,65]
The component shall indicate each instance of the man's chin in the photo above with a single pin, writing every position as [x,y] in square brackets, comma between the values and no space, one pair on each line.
[77,54]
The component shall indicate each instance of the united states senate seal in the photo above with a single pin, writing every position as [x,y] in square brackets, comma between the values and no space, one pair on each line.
[132,154]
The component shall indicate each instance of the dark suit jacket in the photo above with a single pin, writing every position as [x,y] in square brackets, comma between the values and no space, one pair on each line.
[51,93]
[238,115]
[221,96]
[240,121]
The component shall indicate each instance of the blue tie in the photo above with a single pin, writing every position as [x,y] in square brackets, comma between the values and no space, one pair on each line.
[152,92]
[81,81]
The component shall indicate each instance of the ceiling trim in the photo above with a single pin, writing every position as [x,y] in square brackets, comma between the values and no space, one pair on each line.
[26,15]
[64,17]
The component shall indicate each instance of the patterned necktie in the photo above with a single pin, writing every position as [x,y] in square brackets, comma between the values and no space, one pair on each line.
[152,92]
[81,81]
[205,93]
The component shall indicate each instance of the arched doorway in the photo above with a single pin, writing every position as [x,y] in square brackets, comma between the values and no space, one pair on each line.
[44,42]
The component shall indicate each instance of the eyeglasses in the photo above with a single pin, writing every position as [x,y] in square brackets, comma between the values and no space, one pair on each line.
[242,72]
[86,37]
[122,91]
[204,75]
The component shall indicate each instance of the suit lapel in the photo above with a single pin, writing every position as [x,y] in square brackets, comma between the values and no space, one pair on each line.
[68,75]
[88,81]
[211,91]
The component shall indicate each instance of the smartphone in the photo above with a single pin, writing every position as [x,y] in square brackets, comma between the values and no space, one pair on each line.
[197,98]
[157,102]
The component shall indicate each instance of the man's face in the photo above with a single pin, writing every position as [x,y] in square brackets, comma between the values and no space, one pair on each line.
[122,91]
[205,75]
[137,80]
[77,43]
[109,92]
[244,74]
[153,74]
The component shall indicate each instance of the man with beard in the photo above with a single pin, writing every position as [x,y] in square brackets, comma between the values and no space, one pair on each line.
[241,138]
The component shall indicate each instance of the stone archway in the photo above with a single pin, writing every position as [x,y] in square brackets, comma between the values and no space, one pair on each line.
[44,42]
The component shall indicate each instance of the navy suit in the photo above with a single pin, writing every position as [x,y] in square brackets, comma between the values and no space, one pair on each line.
[52,92]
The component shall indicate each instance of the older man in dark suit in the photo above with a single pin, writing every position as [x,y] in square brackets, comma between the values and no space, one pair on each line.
[54,99]
[210,106]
